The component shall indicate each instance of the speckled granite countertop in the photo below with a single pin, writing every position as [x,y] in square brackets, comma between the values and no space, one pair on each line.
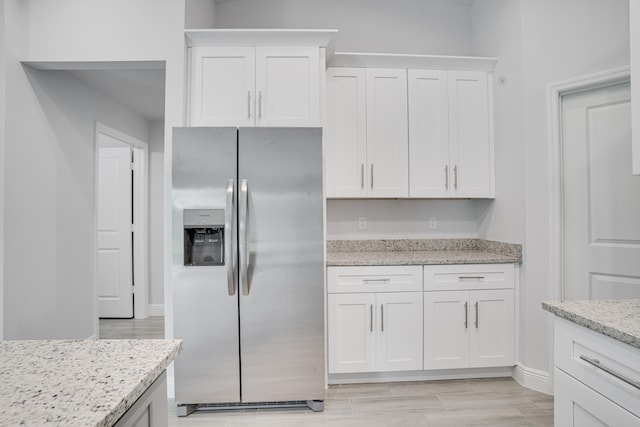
[421,252]
[77,382]
[619,319]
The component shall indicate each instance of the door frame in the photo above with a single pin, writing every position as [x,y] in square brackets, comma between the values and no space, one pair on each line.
[555,94]
[140,264]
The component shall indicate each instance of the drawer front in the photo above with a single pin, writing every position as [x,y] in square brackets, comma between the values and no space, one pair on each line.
[374,279]
[468,277]
[574,343]
[577,405]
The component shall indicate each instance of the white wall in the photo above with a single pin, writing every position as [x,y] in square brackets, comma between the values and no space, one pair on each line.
[538,43]
[199,14]
[560,40]
[401,219]
[2,144]
[50,201]
[403,26]
[156,208]
[49,183]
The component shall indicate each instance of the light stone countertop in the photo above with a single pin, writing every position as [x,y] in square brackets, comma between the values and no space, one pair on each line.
[421,252]
[618,319]
[77,382]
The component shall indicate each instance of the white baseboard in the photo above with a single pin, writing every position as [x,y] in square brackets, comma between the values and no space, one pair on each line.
[156,310]
[533,379]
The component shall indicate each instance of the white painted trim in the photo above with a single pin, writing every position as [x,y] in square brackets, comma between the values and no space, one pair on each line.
[430,375]
[400,60]
[141,203]
[155,310]
[555,92]
[533,379]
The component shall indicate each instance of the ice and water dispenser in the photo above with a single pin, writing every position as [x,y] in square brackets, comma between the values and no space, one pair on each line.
[203,237]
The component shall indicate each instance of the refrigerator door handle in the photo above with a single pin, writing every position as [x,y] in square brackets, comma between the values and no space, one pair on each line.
[230,252]
[243,238]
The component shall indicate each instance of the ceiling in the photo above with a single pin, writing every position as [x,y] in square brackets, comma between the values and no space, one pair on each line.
[140,90]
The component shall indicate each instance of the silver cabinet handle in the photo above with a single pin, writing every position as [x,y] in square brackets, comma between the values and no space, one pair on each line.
[230,252]
[244,236]
[466,314]
[381,317]
[260,104]
[446,177]
[372,175]
[248,104]
[471,277]
[376,280]
[476,314]
[618,375]
[371,318]
[362,176]
[455,177]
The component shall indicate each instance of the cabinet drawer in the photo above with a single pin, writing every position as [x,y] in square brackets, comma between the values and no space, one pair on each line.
[468,277]
[574,343]
[374,279]
[575,404]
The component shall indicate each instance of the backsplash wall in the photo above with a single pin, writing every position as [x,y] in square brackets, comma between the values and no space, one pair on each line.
[403,219]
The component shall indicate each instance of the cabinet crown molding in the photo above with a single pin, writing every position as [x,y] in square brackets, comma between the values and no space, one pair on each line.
[414,61]
[260,37]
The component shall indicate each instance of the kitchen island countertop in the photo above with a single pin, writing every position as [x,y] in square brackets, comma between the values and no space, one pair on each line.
[618,319]
[421,252]
[77,382]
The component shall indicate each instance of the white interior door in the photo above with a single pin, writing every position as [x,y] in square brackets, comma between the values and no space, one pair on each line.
[114,265]
[601,206]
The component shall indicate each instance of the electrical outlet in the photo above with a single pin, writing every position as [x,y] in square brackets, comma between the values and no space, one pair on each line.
[362,223]
[433,222]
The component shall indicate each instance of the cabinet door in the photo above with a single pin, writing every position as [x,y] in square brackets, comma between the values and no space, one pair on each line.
[577,405]
[399,338]
[492,328]
[387,166]
[446,330]
[346,132]
[222,86]
[471,155]
[351,331]
[288,86]
[428,134]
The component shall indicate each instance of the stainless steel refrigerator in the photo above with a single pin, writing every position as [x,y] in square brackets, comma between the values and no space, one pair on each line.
[248,267]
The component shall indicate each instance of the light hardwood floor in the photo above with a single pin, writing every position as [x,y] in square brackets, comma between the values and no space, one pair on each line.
[498,402]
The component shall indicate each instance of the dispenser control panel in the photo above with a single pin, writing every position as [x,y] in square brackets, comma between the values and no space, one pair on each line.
[203,237]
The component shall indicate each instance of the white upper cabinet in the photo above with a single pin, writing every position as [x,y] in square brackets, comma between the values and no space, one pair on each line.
[346,132]
[450,140]
[222,86]
[366,133]
[399,129]
[288,86]
[428,134]
[469,134]
[255,86]
[387,139]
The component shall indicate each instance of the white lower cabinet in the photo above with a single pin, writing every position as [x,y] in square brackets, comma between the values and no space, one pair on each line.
[411,318]
[468,329]
[596,378]
[469,316]
[374,331]
[151,409]
[576,405]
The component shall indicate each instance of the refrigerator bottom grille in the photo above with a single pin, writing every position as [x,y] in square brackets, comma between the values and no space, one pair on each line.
[314,405]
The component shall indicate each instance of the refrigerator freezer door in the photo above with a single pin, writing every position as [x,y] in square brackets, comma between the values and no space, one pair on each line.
[282,310]
[205,314]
